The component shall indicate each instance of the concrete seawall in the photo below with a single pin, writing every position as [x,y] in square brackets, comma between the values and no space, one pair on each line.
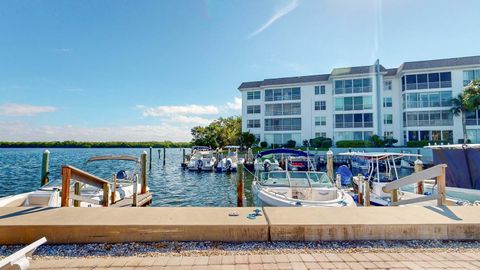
[114,225]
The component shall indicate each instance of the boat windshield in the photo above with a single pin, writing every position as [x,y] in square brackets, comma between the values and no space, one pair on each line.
[296,179]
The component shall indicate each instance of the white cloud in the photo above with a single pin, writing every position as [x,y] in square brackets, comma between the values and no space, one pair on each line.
[12,109]
[280,12]
[236,104]
[20,131]
[163,111]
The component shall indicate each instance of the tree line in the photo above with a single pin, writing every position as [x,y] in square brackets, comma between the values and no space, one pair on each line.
[76,144]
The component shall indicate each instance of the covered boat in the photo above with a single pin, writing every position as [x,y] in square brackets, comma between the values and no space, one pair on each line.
[299,189]
[201,159]
[229,163]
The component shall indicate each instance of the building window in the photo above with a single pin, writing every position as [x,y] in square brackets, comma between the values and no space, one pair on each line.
[353,86]
[255,123]
[427,81]
[320,105]
[357,120]
[388,119]
[428,118]
[320,90]
[353,103]
[388,134]
[253,95]
[427,99]
[255,109]
[353,135]
[387,85]
[320,134]
[387,102]
[282,109]
[282,94]
[320,121]
[470,75]
[285,124]
[283,138]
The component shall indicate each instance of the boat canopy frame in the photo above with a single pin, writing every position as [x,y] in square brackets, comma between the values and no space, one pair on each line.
[114,157]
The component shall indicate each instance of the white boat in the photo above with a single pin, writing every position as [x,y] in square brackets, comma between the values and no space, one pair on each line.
[49,195]
[201,159]
[229,163]
[266,163]
[299,189]
[378,178]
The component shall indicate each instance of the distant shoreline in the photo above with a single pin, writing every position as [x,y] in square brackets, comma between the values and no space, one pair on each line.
[75,144]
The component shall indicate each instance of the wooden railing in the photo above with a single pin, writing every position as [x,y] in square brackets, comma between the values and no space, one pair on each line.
[70,173]
[437,172]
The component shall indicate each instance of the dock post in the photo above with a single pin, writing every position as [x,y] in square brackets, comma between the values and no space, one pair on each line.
[114,189]
[394,196]
[239,185]
[183,157]
[45,165]
[330,163]
[143,161]
[338,180]
[135,187]
[77,191]
[419,168]
[360,189]
[66,176]
[150,159]
[441,190]
[159,153]
[367,193]
[106,195]
[164,150]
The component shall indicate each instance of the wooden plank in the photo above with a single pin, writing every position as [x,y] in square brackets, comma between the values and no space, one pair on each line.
[85,177]
[78,188]
[142,199]
[114,191]
[106,194]
[415,200]
[143,169]
[66,176]
[441,189]
[84,199]
[414,178]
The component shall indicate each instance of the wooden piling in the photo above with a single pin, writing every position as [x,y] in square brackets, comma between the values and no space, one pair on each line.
[143,164]
[135,192]
[183,156]
[360,188]
[367,193]
[77,187]
[150,159]
[419,168]
[441,189]
[239,185]
[106,195]
[330,163]
[338,180]
[164,154]
[394,195]
[45,165]
[66,176]
[114,189]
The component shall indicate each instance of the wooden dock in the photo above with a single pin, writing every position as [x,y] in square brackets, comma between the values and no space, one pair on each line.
[22,225]
[142,200]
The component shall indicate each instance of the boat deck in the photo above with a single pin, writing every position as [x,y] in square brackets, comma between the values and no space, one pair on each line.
[142,200]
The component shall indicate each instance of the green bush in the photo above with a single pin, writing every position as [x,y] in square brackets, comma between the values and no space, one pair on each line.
[353,143]
[264,144]
[321,142]
[291,144]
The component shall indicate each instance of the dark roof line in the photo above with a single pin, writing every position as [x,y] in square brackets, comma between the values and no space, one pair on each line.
[437,63]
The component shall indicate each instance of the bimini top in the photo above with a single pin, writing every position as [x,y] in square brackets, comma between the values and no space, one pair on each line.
[114,157]
[201,148]
[378,155]
[453,146]
[232,147]
[283,151]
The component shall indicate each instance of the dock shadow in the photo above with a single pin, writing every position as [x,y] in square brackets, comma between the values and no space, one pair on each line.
[27,211]
[444,211]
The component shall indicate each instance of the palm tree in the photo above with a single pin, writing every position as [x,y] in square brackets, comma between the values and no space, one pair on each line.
[460,105]
[466,101]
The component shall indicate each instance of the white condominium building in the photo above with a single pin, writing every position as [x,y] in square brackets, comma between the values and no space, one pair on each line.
[409,103]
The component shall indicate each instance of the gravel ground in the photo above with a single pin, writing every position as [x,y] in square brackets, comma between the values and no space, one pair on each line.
[225,248]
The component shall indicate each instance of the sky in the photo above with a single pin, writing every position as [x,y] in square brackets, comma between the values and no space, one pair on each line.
[150,70]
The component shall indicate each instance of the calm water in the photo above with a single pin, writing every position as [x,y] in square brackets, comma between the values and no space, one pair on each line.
[172,186]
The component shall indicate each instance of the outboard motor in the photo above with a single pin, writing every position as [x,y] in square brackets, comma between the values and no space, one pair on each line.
[199,164]
[122,174]
[228,165]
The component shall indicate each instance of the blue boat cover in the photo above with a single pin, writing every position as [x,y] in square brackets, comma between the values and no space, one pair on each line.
[283,151]
[346,175]
[462,166]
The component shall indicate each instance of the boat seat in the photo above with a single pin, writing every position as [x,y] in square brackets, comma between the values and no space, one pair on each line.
[38,200]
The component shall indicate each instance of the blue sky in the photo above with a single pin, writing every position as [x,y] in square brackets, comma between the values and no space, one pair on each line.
[150,70]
